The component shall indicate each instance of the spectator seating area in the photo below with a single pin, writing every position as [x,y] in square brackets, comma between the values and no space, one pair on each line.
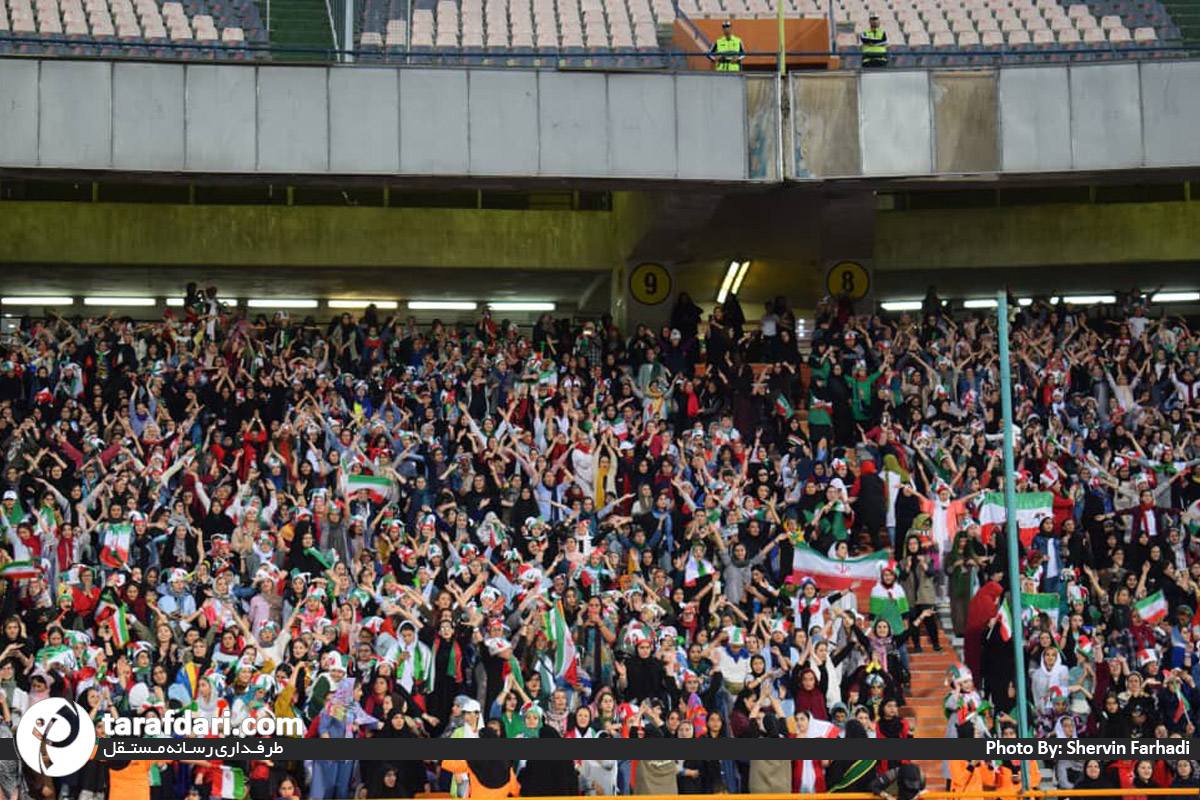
[572,28]
[544,27]
[1024,26]
[621,33]
[146,28]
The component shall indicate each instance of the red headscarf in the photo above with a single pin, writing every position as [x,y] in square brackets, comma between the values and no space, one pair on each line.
[811,700]
[982,610]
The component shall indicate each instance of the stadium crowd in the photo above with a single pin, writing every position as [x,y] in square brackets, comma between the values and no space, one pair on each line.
[389,529]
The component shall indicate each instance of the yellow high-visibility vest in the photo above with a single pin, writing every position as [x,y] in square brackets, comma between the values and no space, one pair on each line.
[731,45]
[874,43]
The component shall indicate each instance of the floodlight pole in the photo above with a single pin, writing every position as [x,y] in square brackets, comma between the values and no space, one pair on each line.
[782,38]
[1010,516]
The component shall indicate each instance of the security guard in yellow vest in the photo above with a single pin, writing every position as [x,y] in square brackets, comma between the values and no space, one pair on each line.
[873,43]
[727,51]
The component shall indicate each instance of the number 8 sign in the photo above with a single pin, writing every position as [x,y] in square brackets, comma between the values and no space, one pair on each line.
[848,279]
[650,284]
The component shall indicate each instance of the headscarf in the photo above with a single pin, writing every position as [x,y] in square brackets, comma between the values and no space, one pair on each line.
[810,700]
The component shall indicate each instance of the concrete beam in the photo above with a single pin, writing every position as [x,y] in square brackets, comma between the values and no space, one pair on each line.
[310,236]
[1037,236]
[387,121]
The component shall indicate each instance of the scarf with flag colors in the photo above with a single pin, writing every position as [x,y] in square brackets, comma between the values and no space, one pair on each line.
[117,539]
[559,634]
[695,569]
[20,570]
[229,783]
[379,489]
[1032,508]
[1153,608]
[454,662]
[418,668]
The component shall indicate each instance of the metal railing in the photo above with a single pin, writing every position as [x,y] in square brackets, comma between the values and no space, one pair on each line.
[565,58]
[983,794]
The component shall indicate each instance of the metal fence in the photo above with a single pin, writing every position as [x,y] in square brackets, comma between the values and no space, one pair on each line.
[340,19]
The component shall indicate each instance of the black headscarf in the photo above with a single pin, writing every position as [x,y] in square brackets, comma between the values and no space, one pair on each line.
[848,775]
[492,774]
[1103,781]
[548,778]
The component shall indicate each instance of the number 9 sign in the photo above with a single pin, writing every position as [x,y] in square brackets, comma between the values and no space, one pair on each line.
[848,279]
[650,284]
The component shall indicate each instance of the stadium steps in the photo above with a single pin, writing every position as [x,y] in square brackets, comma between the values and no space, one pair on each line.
[301,24]
[1186,16]
[924,707]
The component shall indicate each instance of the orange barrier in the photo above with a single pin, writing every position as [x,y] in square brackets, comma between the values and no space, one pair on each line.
[1106,792]
[760,36]
[927,795]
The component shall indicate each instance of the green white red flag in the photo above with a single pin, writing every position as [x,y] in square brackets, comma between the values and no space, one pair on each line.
[1032,508]
[378,488]
[1153,608]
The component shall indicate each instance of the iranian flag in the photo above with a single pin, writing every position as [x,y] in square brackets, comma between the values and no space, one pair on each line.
[56,654]
[1004,617]
[820,729]
[833,574]
[695,569]
[1040,603]
[890,603]
[113,610]
[782,406]
[379,488]
[1153,608]
[115,552]
[229,783]
[20,570]
[1182,707]
[1032,508]
[559,634]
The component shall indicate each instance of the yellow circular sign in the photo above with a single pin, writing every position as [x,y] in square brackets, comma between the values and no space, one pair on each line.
[650,284]
[849,279]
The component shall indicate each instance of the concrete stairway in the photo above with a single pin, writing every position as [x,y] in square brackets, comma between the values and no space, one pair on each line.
[928,692]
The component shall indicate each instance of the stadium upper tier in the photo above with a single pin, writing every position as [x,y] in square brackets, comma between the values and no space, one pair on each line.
[578,27]
[133,28]
[624,33]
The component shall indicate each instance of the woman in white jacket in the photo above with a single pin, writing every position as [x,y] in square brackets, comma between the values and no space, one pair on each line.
[1049,672]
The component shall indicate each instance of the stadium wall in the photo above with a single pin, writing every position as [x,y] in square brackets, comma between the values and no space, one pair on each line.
[689,126]
[249,119]
[1015,120]
[1037,236]
[250,236]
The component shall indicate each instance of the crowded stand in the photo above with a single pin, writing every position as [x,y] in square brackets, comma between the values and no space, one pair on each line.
[391,528]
